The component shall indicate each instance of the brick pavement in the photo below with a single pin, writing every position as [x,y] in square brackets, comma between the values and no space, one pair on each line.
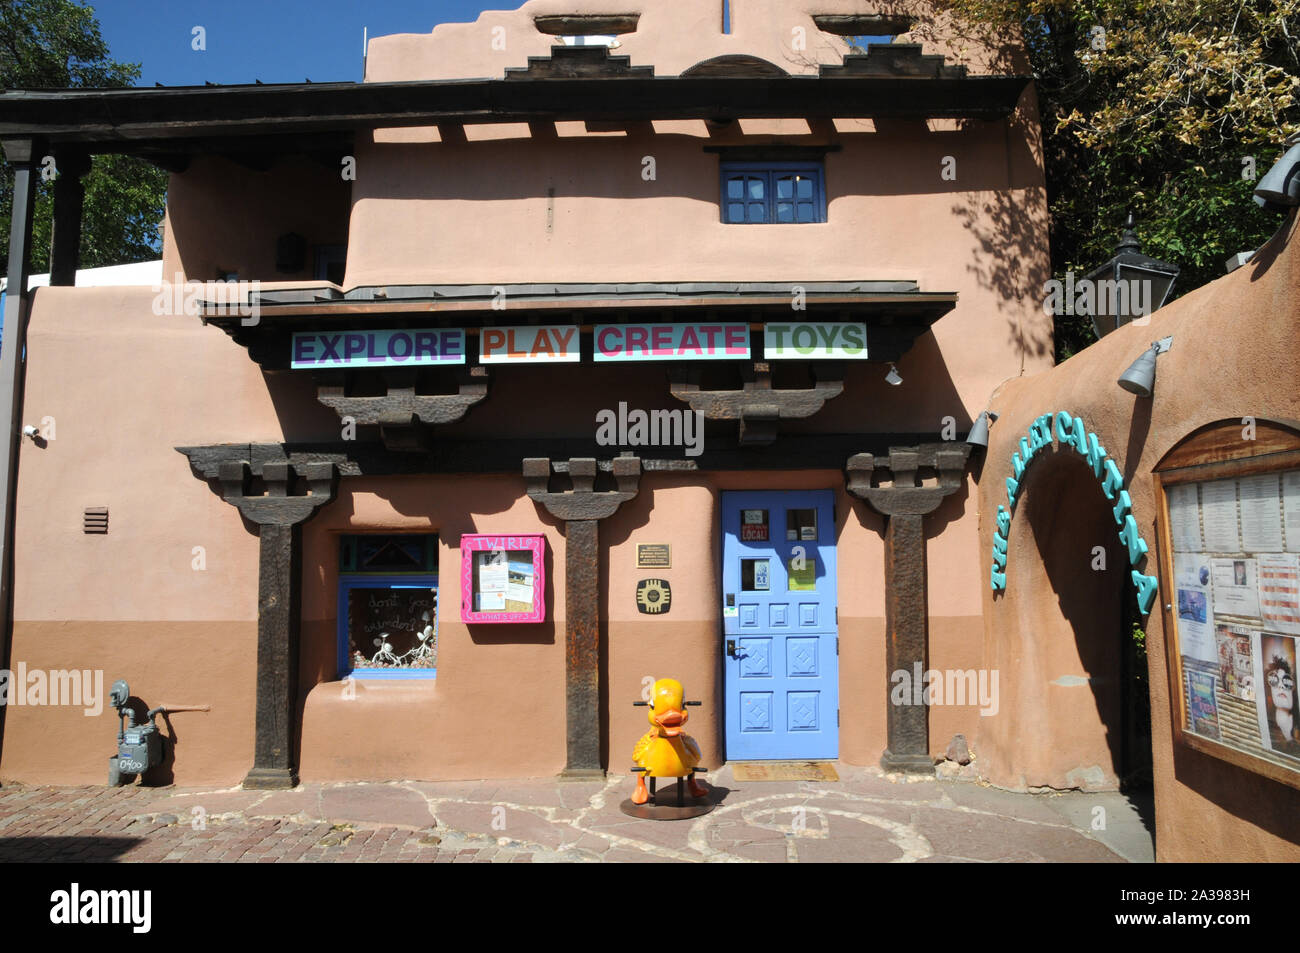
[866,816]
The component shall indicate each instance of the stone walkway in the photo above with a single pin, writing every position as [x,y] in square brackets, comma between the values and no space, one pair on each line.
[866,816]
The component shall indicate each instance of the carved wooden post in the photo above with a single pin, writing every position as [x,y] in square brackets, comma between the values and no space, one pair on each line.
[904,505]
[279,518]
[582,508]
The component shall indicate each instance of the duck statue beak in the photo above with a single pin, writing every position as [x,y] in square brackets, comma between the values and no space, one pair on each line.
[671,722]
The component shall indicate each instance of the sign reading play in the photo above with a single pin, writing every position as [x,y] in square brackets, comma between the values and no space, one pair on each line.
[540,344]
[671,342]
[320,349]
[793,342]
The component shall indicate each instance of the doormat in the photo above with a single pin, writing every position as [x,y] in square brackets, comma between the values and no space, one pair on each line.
[784,771]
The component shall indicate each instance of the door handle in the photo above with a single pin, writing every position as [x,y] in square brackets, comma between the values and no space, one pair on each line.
[731,647]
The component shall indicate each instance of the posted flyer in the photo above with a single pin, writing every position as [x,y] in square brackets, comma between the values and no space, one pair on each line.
[1203,709]
[1275,665]
[1236,586]
[1236,661]
[1279,591]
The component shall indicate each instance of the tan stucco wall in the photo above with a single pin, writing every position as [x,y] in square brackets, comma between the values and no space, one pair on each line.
[1234,354]
[124,386]
[223,217]
[127,386]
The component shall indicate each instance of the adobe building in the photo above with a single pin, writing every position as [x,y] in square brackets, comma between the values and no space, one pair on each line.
[579,346]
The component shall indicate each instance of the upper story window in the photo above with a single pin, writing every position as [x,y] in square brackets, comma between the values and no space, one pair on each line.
[755,193]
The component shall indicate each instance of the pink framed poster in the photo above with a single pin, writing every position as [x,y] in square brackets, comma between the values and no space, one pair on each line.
[502,578]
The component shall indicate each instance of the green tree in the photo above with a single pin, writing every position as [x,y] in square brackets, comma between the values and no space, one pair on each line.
[57,44]
[1158,106]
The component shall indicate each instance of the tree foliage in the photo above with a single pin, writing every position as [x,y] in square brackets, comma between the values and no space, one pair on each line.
[57,44]
[1161,107]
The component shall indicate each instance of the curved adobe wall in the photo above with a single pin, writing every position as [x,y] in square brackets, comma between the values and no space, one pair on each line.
[1235,353]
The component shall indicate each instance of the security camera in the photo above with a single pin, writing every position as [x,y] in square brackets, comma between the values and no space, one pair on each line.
[30,431]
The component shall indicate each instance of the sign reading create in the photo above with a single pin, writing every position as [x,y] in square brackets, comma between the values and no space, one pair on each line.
[1071,431]
[378,348]
[671,342]
[792,342]
[540,344]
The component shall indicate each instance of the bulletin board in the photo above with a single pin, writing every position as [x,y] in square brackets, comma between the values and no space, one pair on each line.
[1228,514]
[503,578]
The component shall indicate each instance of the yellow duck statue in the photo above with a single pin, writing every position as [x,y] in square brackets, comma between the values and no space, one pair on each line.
[666,751]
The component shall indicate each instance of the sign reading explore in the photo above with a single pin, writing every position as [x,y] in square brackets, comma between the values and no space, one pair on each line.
[378,348]
[1071,431]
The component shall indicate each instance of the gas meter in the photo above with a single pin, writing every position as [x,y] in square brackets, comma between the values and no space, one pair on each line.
[139,747]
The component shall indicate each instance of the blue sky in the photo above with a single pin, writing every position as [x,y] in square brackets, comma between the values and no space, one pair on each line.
[276,41]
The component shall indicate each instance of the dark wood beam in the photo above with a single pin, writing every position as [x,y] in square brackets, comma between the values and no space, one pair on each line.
[211,119]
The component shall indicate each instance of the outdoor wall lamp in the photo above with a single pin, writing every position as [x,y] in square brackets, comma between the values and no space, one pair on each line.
[1140,378]
[893,377]
[1132,273]
[1280,187]
[979,432]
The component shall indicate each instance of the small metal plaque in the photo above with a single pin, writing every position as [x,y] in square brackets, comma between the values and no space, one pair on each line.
[653,596]
[654,556]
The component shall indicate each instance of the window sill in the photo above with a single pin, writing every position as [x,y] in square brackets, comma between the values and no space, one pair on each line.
[390,674]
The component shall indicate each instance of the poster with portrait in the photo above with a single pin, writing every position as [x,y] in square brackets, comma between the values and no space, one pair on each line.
[1203,712]
[1236,661]
[1275,704]
[1236,586]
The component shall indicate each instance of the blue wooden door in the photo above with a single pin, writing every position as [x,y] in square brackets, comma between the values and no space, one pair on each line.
[781,659]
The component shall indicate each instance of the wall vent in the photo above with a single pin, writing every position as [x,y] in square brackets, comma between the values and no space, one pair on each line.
[95,520]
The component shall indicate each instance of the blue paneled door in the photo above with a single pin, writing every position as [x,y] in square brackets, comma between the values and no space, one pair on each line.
[781,662]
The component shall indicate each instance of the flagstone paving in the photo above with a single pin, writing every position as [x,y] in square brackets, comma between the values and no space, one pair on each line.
[865,816]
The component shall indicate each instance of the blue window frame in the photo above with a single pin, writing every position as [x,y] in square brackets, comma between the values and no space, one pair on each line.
[388,607]
[777,193]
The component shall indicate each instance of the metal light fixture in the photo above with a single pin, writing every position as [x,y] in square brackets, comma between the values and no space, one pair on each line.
[979,431]
[1130,270]
[1280,187]
[1140,378]
[893,377]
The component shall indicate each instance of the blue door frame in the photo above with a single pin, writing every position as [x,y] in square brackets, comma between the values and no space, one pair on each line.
[780,632]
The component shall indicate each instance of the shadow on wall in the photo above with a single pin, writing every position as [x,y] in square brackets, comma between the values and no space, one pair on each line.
[1012,259]
[1070,519]
[876,163]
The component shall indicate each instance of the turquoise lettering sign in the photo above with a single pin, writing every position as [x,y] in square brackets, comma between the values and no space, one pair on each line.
[1070,431]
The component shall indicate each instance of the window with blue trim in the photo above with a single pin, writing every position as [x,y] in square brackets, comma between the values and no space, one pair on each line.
[388,606]
[757,193]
